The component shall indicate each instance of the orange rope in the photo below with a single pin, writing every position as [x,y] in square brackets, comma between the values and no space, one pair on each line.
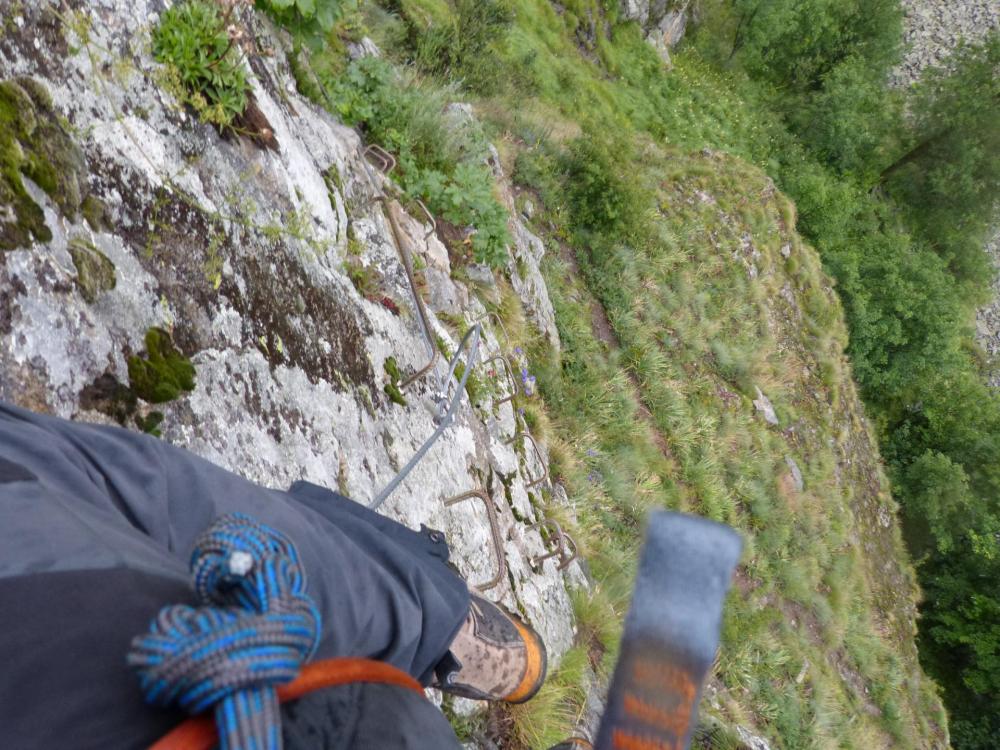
[199,733]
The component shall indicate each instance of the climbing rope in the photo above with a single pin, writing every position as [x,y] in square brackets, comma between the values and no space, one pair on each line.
[255,628]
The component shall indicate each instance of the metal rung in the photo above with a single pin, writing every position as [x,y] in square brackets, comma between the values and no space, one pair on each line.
[386,162]
[491,513]
[511,380]
[538,453]
[556,544]
[446,409]
[495,318]
[430,218]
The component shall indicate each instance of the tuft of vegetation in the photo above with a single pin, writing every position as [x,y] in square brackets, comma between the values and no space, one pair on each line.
[440,162]
[95,273]
[203,64]
[310,18]
[392,387]
[162,373]
[150,423]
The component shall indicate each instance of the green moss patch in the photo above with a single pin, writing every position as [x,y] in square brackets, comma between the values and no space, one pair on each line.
[392,387]
[34,144]
[163,373]
[95,274]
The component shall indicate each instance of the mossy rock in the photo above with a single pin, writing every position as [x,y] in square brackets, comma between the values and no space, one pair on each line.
[110,397]
[33,143]
[163,374]
[95,212]
[95,274]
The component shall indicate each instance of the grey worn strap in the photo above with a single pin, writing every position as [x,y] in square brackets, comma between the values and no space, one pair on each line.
[671,633]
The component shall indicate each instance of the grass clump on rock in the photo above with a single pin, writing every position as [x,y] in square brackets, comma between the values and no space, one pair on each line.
[203,65]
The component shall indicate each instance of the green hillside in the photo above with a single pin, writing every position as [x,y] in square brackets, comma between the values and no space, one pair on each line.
[688,285]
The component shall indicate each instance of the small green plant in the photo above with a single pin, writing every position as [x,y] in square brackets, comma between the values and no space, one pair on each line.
[466,199]
[150,424]
[392,387]
[204,69]
[34,144]
[364,278]
[163,374]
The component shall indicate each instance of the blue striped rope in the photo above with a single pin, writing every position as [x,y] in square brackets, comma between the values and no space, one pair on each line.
[255,628]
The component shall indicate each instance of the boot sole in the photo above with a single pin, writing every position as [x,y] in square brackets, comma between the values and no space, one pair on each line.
[537,668]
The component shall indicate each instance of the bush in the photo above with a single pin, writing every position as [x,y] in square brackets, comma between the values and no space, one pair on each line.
[600,198]
[794,44]
[852,122]
[203,65]
[439,165]
[462,44]
[948,178]
[467,199]
[308,16]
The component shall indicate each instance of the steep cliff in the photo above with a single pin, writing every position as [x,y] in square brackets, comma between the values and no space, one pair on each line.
[237,251]
[701,368]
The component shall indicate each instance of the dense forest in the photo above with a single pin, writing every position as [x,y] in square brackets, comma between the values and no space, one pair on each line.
[897,189]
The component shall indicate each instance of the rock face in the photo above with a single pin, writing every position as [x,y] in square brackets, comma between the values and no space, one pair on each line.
[988,318]
[664,21]
[933,28]
[239,253]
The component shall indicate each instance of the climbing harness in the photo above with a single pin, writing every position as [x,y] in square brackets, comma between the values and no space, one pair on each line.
[254,629]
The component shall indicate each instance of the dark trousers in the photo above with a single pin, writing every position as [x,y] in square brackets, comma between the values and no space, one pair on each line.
[96,528]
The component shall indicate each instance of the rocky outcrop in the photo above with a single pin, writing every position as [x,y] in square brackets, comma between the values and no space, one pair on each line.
[239,253]
[933,28]
[988,318]
[664,21]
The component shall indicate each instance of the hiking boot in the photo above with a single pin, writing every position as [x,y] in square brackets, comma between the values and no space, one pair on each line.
[495,657]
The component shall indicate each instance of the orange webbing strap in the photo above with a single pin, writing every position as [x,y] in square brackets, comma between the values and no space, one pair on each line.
[199,733]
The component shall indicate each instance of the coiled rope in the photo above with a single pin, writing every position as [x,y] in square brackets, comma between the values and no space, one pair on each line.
[254,630]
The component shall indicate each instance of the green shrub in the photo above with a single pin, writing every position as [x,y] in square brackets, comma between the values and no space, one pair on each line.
[438,164]
[466,49]
[310,16]
[204,68]
[600,198]
[467,199]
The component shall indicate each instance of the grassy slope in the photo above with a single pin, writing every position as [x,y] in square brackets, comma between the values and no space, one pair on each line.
[650,404]
[656,410]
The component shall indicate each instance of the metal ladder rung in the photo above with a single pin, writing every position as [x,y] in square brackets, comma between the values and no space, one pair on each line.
[491,513]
